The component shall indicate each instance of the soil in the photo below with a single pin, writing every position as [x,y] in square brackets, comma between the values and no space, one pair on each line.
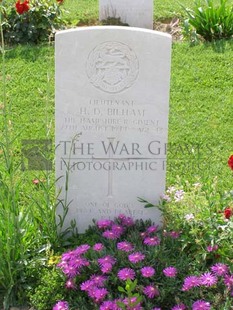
[171,26]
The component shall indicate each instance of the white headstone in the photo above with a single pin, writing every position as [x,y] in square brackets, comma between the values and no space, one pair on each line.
[112,87]
[136,13]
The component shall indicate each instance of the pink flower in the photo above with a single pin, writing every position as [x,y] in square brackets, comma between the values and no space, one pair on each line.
[211,248]
[127,221]
[152,241]
[81,249]
[126,273]
[78,262]
[208,279]
[190,282]
[121,216]
[219,269]
[118,229]
[147,272]
[98,247]
[102,224]
[170,272]
[108,305]
[136,257]
[179,195]
[70,271]
[109,234]
[125,246]
[85,286]
[107,259]
[152,229]
[98,280]
[150,291]
[126,301]
[61,305]
[201,305]
[98,294]
[143,235]
[166,197]
[106,267]
[70,284]
[174,234]
[228,281]
[36,181]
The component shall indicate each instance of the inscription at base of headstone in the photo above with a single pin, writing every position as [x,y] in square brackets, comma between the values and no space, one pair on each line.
[112,90]
[137,13]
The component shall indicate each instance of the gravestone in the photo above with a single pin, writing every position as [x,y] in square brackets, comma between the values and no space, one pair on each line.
[136,13]
[112,94]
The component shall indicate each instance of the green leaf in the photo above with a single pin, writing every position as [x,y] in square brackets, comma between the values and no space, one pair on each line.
[121,289]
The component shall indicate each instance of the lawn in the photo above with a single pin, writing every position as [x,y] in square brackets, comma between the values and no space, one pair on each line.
[86,11]
[200,118]
[200,143]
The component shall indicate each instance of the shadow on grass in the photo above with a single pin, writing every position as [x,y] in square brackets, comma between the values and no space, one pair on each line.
[219,46]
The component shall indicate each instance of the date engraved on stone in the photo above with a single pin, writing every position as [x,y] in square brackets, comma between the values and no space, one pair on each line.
[112,67]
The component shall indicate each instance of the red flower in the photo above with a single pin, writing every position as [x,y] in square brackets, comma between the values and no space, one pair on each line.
[60,1]
[228,212]
[230,162]
[22,7]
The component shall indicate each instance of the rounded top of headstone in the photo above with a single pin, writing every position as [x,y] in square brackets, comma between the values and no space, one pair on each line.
[114,29]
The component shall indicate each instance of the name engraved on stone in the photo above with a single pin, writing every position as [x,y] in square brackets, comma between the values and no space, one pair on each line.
[112,67]
[112,87]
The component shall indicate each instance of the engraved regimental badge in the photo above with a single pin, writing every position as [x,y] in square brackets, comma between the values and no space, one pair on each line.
[112,67]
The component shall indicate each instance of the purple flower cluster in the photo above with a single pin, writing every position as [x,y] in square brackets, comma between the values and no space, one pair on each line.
[106,263]
[112,230]
[61,305]
[98,268]
[72,262]
[209,279]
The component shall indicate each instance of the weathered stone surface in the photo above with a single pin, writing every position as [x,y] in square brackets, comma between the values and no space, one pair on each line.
[136,13]
[112,89]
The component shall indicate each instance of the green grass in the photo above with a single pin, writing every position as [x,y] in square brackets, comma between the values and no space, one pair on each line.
[86,11]
[200,119]
[200,106]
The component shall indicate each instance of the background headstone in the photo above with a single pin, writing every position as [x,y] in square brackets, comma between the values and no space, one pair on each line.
[136,13]
[112,88]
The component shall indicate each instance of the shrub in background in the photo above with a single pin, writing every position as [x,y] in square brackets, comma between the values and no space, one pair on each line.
[32,21]
[209,21]
[204,216]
